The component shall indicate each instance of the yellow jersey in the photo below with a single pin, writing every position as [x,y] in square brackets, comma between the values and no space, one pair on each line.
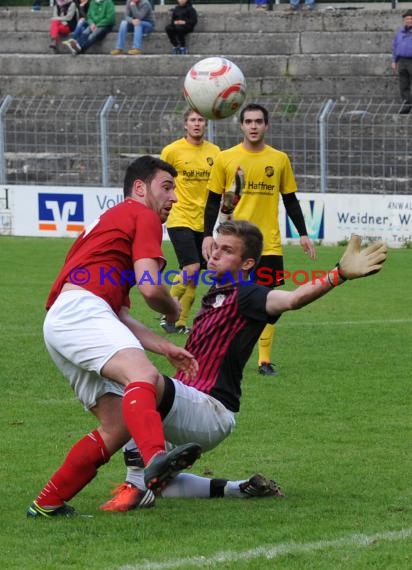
[193,164]
[267,174]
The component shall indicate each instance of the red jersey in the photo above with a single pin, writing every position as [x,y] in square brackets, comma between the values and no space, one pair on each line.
[102,257]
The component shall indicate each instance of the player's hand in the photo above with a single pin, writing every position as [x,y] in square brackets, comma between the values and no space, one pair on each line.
[357,262]
[308,246]
[207,247]
[231,197]
[182,360]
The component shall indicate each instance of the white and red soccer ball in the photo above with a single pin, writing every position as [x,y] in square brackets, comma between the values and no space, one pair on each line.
[215,87]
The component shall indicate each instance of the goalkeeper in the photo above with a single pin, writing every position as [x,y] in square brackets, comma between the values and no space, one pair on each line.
[230,321]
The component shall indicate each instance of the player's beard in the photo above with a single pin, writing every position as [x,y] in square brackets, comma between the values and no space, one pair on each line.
[152,203]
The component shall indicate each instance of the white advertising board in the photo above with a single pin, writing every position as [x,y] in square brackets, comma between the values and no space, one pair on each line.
[56,211]
[53,211]
[334,217]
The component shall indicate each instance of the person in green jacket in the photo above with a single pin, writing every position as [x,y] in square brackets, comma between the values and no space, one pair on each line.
[101,17]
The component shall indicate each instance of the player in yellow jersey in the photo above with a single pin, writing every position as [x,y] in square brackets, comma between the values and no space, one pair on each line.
[193,157]
[253,175]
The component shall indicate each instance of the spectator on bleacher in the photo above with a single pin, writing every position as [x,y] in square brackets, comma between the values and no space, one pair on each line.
[138,19]
[83,8]
[402,61]
[261,5]
[63,21]
[81,25]
[183,22]
[100,19]
[36,6]
[294,6]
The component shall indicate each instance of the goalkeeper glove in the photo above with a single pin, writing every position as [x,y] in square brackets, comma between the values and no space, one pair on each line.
[231,197]
[357,262]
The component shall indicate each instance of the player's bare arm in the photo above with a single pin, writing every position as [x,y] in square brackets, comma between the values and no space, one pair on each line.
[180,358]
[155,293]
[354,264]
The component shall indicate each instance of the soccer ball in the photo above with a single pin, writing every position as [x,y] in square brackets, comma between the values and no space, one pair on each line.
[215,87]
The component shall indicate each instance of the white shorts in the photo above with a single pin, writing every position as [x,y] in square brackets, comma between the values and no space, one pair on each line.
[82,333]
[197,417]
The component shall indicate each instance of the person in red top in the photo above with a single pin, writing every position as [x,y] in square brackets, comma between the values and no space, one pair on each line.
[98,345]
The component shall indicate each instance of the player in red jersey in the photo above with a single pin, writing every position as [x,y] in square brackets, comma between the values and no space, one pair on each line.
[98,345]
[232,316]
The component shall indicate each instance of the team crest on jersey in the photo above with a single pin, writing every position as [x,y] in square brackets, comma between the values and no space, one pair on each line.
[269,171]
[209,160]
[220,299]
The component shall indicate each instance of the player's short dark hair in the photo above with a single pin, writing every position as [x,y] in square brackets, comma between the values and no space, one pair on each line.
[144,169]
[254,107]
[250,235]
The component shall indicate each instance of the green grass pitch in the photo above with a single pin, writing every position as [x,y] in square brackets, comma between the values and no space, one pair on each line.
[334,429]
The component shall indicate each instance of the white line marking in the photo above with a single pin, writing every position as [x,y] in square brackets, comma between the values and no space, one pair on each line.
[269,553]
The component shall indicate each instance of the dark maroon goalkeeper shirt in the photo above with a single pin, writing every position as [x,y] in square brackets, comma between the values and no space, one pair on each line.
[224,333]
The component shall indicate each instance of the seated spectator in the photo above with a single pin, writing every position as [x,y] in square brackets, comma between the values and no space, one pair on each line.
[184,20]
[261,5]
[139,20]
[36,6]
[83,8]
[63,21]
[101,17]
[294,6]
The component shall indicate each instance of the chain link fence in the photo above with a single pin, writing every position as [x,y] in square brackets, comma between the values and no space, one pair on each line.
[362,146]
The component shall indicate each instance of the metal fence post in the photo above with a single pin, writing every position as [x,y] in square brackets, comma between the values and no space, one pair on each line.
[323,143]
[104,140]
[211,131]
[3,110]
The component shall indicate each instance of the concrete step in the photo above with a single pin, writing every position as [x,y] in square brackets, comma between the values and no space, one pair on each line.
[232,19]
[325,53]
[326,76]
[212,43]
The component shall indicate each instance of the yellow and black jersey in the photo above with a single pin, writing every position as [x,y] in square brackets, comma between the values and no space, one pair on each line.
[267,174]
[193,164]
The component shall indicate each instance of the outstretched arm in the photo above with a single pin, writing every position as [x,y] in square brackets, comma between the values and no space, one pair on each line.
[355,263]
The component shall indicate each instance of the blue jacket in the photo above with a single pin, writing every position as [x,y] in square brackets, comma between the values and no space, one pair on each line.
[402,44]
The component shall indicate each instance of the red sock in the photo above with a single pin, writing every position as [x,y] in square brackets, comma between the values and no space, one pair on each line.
[142,419]
[79,467]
